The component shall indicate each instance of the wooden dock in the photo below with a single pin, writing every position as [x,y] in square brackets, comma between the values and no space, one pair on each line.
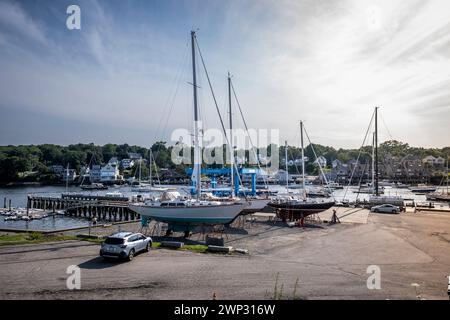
[103,208]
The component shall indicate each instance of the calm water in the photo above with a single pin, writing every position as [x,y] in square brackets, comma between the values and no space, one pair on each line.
[18,196]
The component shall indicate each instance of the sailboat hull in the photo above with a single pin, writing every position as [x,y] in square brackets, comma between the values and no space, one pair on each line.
[256,205]
[193,215]
[299,210]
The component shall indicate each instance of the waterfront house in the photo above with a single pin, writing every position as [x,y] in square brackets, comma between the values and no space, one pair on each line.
[413,166]
[322,161]
[109,173]
[439,161]
[113,161]
[95,173]
[127,163]
[57,169]
[430,160]
[68,175]
[339,172]
[134,156]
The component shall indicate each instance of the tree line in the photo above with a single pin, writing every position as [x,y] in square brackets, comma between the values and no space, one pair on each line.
[32,162]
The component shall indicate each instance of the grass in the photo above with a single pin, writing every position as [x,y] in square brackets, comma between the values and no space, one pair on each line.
[278,291]
[31,238]
[10,239]
[199,248]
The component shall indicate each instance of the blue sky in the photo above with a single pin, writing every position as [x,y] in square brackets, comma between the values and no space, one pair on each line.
[326,62]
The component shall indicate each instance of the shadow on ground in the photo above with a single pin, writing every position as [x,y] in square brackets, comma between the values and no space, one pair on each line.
[100,263]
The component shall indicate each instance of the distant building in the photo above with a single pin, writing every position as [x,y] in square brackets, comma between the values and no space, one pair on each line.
[70,175]
[109,173]
[430,160]
[440,161]
[413,166]
[134,156]
[113,161]
[57,169]
[95,173]
[433,161]
[322,161]
[127,163]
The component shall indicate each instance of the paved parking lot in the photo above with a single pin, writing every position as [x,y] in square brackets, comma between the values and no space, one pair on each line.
[327,262]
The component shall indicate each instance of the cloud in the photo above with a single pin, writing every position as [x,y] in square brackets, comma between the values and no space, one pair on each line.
[15,20]
[326,62]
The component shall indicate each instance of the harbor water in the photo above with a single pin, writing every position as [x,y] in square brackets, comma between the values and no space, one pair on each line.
[18,197]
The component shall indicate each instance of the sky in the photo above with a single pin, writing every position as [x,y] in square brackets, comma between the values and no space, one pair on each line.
[124,77]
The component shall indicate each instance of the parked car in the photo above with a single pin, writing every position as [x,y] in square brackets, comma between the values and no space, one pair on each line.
[125,245]
[386,208]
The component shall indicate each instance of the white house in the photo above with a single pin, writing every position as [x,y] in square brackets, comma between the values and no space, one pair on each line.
[127,163]
[134,156]
[429,160]
[113,161]
[432,161]
[439,161]
[322,161]
[109,173]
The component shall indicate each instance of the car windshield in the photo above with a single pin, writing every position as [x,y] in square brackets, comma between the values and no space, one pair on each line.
[114,241]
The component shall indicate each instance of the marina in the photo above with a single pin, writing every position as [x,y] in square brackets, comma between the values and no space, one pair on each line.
[225,150]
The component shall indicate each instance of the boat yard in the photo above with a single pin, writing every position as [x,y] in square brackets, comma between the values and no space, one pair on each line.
[329,261]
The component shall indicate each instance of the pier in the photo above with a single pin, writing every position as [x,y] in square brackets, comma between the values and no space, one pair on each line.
[103,208]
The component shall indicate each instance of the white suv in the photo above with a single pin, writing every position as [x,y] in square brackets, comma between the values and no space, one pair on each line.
[124,245]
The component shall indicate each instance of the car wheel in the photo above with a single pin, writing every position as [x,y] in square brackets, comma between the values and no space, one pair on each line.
[131,255]
[147,247]
[376,211]
[394,211]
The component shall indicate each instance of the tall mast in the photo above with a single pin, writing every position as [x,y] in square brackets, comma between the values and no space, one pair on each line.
[447,174]
[373,162]
[140,170]
[67,178]
[231,136]
[303,157]
[150,167]
[377,193]
[287,167]
[197,155]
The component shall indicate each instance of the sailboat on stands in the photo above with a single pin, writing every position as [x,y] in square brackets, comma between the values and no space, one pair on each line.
[255,203]
[184,213]
[298,208]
